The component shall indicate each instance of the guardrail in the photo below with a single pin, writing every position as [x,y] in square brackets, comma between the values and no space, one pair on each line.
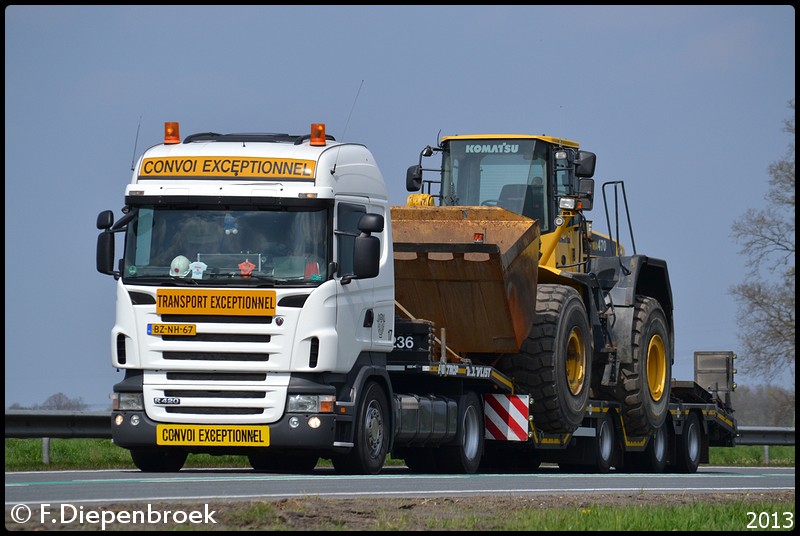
[34,424]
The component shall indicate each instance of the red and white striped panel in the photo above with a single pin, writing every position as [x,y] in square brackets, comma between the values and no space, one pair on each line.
[506,417]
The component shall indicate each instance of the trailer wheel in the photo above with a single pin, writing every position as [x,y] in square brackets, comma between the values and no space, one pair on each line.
[647,379]
[689,445]
[465,455]
[158,459]
[654,457]
[283,463]
[604,444]
[371,441]
[554,362]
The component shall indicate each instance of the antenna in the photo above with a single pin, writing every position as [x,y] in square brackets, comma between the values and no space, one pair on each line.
[135,142]
[347,123]
[351,109]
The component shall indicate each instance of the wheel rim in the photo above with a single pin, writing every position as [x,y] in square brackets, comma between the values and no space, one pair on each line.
[605,441]
[692,442]
[575,362]
[656,367]
[471,439]
[373,426]
[660,444]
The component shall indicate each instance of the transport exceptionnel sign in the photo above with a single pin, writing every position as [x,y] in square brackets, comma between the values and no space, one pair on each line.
[215,302]
[227,167]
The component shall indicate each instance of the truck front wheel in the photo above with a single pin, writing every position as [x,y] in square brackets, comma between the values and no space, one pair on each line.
[158,459]
[371,441]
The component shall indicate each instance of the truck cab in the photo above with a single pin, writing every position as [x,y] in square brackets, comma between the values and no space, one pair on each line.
[256,273]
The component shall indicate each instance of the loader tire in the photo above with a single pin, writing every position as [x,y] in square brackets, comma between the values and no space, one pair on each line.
[554,362]
[646,381]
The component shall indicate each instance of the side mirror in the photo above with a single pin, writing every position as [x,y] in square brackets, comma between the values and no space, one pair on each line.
[105,252]
[370,223]
[367,248]
[105,220]
[366,257]
[585,163]
[414,178]
[586,193]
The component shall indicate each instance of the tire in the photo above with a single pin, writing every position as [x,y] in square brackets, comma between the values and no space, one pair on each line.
[654,457]
[270,462]
[554,362]
[603,445]
[689,445]
[646,381]
[158,459]
[371,435]
[465,456]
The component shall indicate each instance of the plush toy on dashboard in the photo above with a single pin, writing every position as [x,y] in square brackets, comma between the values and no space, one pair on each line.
[231,227]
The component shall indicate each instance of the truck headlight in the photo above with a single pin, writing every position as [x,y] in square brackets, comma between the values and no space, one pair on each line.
[127,401]
[311,404]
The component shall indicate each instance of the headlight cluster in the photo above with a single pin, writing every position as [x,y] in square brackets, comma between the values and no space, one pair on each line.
[127,401]
[311,404]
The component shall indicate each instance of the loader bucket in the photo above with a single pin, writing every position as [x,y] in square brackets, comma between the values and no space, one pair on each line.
[470,270]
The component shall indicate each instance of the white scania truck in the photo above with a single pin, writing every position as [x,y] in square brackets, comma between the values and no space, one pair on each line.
[256,314]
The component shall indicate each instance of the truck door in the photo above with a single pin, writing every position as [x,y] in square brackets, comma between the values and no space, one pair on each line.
[354,300]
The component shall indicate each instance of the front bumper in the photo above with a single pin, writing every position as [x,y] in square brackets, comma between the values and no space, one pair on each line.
[281,433]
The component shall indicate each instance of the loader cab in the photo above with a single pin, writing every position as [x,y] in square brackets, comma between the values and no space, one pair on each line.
[523,174]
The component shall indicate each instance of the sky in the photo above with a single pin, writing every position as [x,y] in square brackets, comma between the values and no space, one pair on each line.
[686,104]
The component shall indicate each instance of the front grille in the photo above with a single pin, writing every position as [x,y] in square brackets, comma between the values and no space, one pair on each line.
[217,337]
[214,411]
[216,356]
[217,376]
[196,393]
[217,319]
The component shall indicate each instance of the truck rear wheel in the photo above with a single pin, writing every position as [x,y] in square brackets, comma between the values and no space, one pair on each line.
[371,441]
[646,380]
[159,459]
[465,456]
[553,364]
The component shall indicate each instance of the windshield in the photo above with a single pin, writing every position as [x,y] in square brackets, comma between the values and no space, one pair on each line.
[227,246]
[510,173]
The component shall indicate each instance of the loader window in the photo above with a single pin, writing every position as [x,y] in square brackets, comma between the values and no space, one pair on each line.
[498,172]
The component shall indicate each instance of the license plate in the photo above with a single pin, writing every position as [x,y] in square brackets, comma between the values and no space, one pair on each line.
[212,435]
[171,329]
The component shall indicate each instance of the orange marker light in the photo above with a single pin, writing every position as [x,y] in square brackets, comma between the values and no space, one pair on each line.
[317,134]
[477,238]
[171,133]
